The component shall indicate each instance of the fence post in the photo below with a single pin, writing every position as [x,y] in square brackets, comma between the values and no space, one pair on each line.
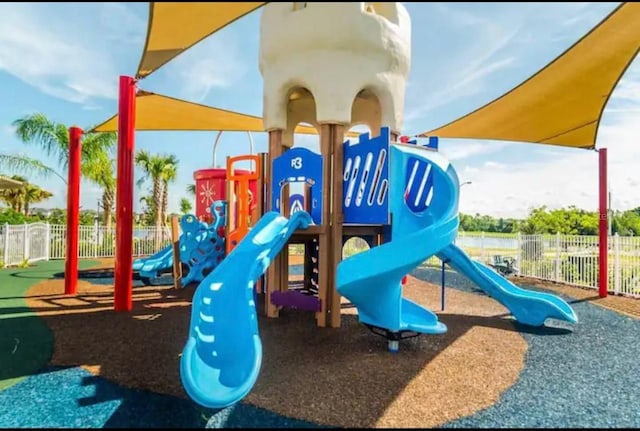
[5,248]
[47,241]
[557,268]
[518,253]
[616,264]
[25,243]
[95,242]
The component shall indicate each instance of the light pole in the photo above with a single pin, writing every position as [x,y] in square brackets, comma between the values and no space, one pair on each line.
[465,183]
[98,212]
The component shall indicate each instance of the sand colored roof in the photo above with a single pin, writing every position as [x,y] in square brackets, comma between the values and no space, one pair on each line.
[175,27]
[155,112]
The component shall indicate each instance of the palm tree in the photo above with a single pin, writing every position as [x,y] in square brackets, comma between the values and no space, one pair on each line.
[185,206]
[21,198]
[169,175]
[33,195]
[153,167]
[101,171]
[53,139]
[191,189]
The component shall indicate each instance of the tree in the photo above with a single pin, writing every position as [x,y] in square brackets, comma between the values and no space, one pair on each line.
[185,206]
[191,189]
[169,175]
[101,170]
[19,199]
[153,168]
[53,139]
[160,169]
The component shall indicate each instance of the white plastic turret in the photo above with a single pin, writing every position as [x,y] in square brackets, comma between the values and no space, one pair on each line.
[351,59]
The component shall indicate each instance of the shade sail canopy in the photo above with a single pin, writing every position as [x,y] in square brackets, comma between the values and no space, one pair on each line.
[155,112]
[561,104]
[174,27]
[8,183]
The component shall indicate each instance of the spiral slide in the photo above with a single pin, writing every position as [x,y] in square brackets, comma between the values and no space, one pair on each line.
[221,360]
[424,202]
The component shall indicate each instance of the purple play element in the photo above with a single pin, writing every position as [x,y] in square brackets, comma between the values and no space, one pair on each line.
[295,299]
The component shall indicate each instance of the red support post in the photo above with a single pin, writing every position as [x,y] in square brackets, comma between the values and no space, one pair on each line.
[73,211]
[603,232]
[123,289]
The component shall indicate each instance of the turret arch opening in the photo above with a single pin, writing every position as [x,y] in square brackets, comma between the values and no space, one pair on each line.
[367,111]
[386,10]
[301,109]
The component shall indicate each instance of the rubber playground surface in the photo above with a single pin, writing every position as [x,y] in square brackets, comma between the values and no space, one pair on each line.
[72,362]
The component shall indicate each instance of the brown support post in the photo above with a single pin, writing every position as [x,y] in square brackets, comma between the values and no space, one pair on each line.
[261,206]
[177,265]
[325,272]
[282,258]
[274,271]
[337,218]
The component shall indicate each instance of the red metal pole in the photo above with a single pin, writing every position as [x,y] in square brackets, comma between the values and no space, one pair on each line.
[603,225]
[123,289]
[73,211]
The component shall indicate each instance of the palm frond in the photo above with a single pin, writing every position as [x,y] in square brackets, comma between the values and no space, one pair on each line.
[27,166]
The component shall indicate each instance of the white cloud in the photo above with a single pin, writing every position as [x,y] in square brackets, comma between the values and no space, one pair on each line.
[469,62]
[215,62]
[460,149]
[69,52]
[569,178]
[491,49]
[8,130]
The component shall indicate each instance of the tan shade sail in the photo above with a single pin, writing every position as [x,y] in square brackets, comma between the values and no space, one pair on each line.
[155,112]
[174,27]
[8,183]
[562,103]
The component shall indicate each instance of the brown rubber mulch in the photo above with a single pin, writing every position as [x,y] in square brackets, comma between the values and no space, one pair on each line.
[339,377]
[622,304]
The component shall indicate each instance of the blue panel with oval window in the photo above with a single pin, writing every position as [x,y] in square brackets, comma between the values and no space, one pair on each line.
[298,165]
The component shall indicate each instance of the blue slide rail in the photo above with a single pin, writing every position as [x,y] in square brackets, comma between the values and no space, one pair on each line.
[424,202]
[222,357]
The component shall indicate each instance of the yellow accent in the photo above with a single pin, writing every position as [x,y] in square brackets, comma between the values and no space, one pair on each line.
[155,112]
[561,104]
[175,27]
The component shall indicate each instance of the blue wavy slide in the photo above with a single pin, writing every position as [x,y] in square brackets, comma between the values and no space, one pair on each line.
[423,199]
[528,307]
[221,360]
[156,262]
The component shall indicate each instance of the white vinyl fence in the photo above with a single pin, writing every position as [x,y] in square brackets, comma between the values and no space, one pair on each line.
[569,259]
[29,243]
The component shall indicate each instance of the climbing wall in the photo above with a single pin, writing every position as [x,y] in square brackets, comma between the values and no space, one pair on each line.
[202,245]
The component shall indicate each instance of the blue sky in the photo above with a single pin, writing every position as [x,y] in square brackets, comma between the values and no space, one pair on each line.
[64,59]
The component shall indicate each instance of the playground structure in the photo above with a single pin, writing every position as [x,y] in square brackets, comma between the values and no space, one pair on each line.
[401,197]
[333,81]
